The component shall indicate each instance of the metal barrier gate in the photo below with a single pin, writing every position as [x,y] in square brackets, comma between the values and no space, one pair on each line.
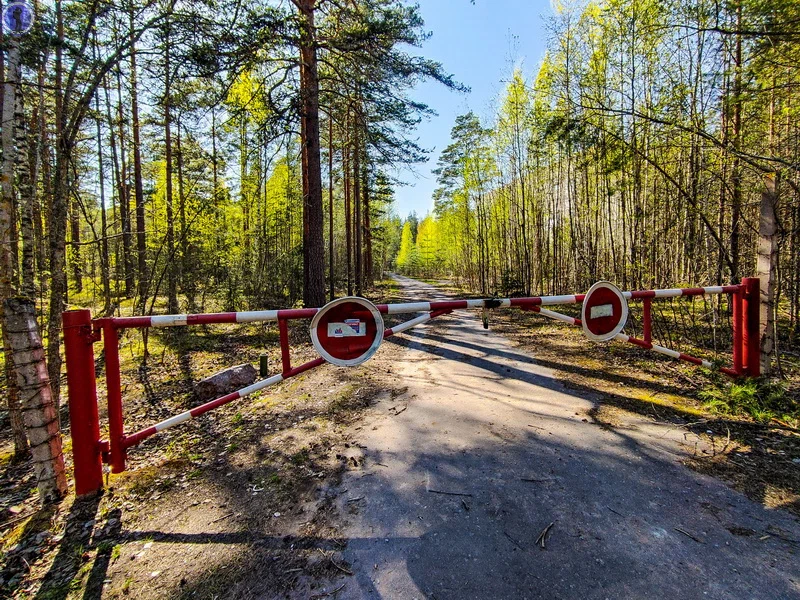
[347,332]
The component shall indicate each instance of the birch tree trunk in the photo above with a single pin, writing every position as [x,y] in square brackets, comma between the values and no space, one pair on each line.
[6,235]
[25,191]
[33,383]
[765,271]
[369,280]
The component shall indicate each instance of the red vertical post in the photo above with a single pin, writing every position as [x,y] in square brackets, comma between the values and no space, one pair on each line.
[115,428]
[84,421]
[743,326]
[751,319]
[647,319]
[283,331]
[736,299]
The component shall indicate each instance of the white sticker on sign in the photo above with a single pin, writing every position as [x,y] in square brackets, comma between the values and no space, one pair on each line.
[604,310]
[350,328]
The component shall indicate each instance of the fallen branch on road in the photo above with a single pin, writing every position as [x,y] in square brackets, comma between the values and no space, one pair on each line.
[540,541]
[331,593]
[689,535]
[449,493]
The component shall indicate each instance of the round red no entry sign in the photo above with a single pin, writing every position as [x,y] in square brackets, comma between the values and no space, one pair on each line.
[604,312]
[347,331]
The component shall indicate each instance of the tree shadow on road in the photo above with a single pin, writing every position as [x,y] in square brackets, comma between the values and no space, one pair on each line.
[70,559]
[761,482]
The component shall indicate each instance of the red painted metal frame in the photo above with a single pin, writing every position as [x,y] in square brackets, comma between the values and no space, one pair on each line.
[84,420]
[81,332]
[751,327]
[647,320]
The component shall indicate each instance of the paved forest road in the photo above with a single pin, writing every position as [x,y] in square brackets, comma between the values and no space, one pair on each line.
[481,417]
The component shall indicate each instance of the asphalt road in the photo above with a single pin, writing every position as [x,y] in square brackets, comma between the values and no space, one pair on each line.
[485,449]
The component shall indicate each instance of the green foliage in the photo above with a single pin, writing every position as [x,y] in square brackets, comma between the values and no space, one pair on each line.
[300,457]
[634,154]
[760,399]
[428,253]
[407,253]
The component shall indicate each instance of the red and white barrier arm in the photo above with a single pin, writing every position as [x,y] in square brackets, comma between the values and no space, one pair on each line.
[556,316]
[135,438]
[307,313]
[212,318]
[407,325]
[677,292]
[662,350]
[402,308]
[139,436]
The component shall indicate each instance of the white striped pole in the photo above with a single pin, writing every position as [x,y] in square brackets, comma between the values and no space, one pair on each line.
[401,308]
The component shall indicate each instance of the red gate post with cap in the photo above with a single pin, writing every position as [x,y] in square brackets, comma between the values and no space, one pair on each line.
[84,420]
[751,321]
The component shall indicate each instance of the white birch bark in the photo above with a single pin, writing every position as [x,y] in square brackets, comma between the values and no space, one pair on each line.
[39,411]
[765,271]
[7,247]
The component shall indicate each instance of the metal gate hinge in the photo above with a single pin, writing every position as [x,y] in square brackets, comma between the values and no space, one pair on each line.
[90,333]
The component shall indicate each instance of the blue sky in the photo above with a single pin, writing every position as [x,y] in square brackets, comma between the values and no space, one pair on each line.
[480,44]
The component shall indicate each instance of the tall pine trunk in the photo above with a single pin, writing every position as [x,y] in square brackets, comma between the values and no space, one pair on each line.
[331,278]
[313,221]
[357,212]
[58,223]
[347,220]
[75,243]
[119,161]
[105,275]
[188,286]
[172,290]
